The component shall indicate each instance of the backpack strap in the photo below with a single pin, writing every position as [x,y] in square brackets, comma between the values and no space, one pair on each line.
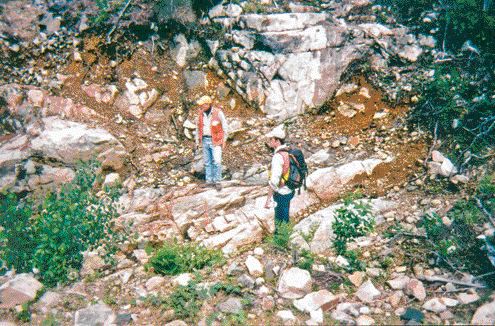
[285,168]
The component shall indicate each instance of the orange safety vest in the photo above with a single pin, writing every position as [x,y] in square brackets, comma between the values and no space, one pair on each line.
[216,126]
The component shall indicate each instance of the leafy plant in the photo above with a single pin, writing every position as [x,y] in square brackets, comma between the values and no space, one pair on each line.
[306,260]
[51,233]
[174,258]
[353,220]
[281,238]
[186,301]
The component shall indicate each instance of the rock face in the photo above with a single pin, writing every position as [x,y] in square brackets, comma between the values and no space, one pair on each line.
[19,290]
[235,216]
[44,140]
[69,142]
[484,315]
[294,283]
[52,139]
[285,63]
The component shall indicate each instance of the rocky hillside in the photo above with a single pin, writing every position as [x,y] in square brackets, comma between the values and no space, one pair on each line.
[388,231]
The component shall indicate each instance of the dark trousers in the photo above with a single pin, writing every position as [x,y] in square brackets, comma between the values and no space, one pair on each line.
[282,207]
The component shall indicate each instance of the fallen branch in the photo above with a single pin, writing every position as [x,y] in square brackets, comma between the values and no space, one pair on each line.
[114,27]
[432,145]
[446,280]
[485,211]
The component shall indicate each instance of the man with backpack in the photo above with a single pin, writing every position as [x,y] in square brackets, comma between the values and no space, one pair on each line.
[288,172]
[211,131]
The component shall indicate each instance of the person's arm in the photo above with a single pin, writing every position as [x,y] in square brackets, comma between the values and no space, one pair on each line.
[275,175]
[196,136]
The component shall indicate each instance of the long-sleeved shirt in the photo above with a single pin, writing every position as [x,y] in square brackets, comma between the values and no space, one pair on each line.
[276,172]
[207,125]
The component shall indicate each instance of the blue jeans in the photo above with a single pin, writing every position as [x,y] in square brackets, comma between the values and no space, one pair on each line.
[212,155]
[282,207]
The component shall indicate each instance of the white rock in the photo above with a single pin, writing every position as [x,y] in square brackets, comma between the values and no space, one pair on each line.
[254,266]
[316,317]
[365,320]
[416,289]
[99,314]
[259,251]
[466,298]
[399,283]
[320,157]
[314,301]
[411,53]
[459,178]
[434,305]
[182,279]
[36,97]
[450,302]
[216,11]
[367,292]
[233,10]
[341,261]
[294,283]
[447,168]
[436,156]
[189,125]
[484,315]
[155,282]
[286,316]
[112,179]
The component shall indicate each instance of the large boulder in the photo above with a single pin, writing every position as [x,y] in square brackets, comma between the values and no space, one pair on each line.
[484,315]
[69,142]
[294,283]
[98,314]
[19,290]
[32,160]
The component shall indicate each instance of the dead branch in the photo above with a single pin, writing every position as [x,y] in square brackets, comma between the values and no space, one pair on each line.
[446,280]
[432,144]
[485,211]
[114,27]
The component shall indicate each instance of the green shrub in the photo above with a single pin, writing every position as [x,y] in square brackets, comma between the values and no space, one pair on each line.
[457,245]
[51,233]
[186,301]
[352,220]
[454,103]
[306,260]
[281,238]
[458,20]
[174,258]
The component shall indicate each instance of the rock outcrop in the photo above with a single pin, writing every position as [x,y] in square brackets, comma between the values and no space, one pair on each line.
[285,63]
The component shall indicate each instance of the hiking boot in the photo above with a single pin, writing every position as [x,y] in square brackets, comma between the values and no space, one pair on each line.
[207,184]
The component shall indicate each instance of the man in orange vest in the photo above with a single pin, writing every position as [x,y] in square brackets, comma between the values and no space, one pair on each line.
[211,131]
